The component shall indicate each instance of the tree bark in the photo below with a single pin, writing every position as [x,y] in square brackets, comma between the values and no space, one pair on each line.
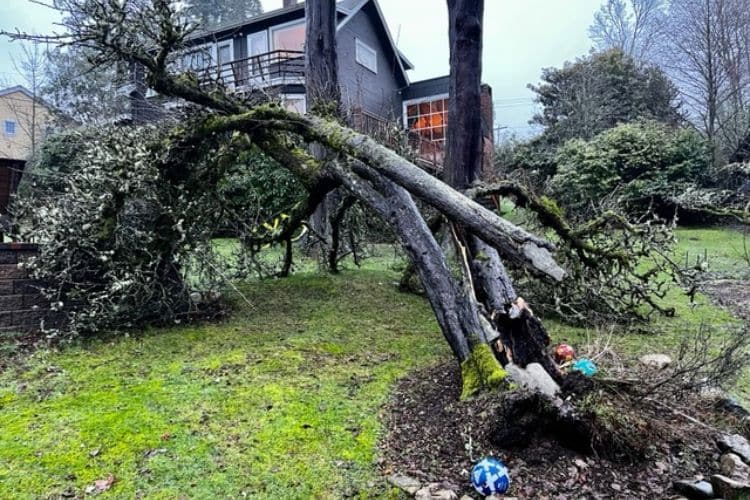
[464,141]
[522,337]
[455,310]
[321,63]
[323,99]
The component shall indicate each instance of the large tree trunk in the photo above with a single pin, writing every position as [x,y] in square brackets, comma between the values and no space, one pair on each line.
[321,63]
[456,311]
[464,140]
[522,338]
[323,99]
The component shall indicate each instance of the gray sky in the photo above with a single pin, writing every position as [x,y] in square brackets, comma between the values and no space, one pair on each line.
[521,37]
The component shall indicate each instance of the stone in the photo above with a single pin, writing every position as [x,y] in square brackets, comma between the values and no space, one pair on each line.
[694,490]
[534,376]
[733,466]
[656,361]
[730,489]
[735,443]
[406,483]
[435,491]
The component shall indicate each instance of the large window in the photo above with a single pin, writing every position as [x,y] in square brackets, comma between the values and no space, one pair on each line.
[428,118]
[10,128]
[289,37]
[366,55]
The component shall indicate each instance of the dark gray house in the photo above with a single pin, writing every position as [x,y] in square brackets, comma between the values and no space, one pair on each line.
[266,53]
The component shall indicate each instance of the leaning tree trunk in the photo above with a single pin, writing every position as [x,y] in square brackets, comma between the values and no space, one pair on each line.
[521,337]
[457,313]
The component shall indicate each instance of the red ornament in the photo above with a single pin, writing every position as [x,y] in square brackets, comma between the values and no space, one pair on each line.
[564,353]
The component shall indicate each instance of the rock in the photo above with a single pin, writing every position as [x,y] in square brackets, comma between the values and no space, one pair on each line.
[406,483]
[435,491]
[733,466]
[656,361]
[534,376]
[730,489]
[735,443]
[694,490]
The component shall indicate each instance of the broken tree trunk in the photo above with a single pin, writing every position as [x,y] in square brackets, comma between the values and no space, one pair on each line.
[522,337]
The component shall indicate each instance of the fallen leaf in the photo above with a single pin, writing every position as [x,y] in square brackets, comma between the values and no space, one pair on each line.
[104,484]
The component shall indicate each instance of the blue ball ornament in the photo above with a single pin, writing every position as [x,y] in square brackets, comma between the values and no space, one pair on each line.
[490,476]
[585,366]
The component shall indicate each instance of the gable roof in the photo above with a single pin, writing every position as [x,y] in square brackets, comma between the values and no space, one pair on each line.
[23,90]
[17,88]
[357,5]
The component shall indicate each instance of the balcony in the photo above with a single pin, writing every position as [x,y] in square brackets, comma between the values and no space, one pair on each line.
[280,67]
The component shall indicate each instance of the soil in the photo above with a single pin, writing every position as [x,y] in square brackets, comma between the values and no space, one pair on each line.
[433,437]
[731,294]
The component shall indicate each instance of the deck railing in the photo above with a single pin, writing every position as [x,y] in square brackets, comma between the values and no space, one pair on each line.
[271,68]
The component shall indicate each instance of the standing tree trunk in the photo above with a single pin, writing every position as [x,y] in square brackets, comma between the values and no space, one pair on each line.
[321,63]
[323,99]
[464,141]
[521,337]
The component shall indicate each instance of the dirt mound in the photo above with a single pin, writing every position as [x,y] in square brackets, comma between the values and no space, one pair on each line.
[433,437]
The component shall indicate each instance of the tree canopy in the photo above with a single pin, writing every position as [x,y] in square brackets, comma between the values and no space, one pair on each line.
[597,92]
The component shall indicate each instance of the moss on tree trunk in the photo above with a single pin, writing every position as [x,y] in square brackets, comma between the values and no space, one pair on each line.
[481,371]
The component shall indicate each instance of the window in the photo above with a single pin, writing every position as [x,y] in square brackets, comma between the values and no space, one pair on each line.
[289,37]
[366,55]
[295,102]
[10,128]
[197,60]
[428,118]
[224,53]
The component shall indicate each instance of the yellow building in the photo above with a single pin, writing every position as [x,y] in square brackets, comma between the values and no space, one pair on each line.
[24,123]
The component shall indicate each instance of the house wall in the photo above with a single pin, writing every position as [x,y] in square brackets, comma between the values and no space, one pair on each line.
[360,87]
[19,107]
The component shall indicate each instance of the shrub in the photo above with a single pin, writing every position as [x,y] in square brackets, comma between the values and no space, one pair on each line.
[643,165]
[125,236]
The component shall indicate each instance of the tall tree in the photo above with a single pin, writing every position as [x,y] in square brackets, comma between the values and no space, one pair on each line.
[519,337]
[707,54]
[597,92]
[631,26]
[212,13]
[464,141]
[31,69]
[321,63]
[82,89]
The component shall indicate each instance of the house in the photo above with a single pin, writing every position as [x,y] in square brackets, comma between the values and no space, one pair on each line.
[266,53]
[24,120]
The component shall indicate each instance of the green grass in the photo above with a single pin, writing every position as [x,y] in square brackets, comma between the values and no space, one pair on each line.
[724,250]
[280,401]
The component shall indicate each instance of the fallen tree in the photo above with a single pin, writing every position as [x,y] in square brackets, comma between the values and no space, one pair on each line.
[474,307]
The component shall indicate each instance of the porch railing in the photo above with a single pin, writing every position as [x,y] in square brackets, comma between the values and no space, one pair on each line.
[271,68]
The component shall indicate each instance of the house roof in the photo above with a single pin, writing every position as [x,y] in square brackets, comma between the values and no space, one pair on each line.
[17,88]
[346,8]
[27,93]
